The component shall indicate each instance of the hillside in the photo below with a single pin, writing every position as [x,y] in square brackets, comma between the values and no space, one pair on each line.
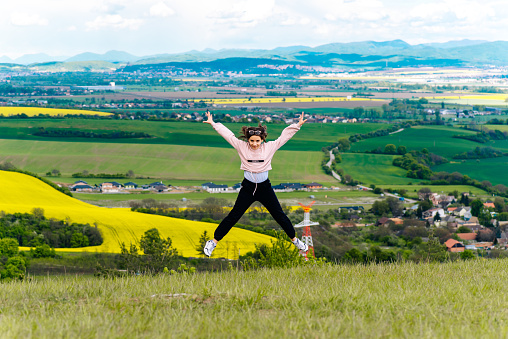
[22,193]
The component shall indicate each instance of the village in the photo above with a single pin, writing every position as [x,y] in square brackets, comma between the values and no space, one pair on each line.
[442,212]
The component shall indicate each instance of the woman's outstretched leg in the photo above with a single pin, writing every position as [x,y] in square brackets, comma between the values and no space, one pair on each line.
[270,201]
[243,202]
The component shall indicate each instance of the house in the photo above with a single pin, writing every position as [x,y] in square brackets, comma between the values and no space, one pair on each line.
[157,186]
[130,185]
[82,188]
[294,186]
[397,221]
[489,205]
[313,185]
[454,246]
[467,236]
[238,186]
[213,188]
[432,213]
[206,184]
[109,187]
[80,182]
[350,209]
[503,240]
[383,221]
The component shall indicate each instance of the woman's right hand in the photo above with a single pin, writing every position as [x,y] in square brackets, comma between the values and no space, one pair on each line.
[210,119]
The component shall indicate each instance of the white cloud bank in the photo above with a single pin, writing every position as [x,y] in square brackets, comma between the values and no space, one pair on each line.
[146,27]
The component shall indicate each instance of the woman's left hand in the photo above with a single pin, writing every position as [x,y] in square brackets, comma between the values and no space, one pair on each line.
[301,122]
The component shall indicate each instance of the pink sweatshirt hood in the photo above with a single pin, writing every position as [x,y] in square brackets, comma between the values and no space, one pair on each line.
[259,160]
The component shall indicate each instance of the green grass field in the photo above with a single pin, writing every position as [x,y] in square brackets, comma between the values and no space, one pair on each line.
[451,300]
[158,161]
[494,170]
[437,139]
[311,137]
[374,169]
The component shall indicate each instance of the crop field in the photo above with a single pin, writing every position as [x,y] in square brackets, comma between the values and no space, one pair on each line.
[464,299]
[280,100]
[22,193]
[437,139]
[311,137]
[156,161]
[503,128]
[374,169]
[31,111]
[494,170]
[479,99]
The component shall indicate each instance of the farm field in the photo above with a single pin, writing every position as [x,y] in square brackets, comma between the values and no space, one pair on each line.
[31,111]
[157,161]
[311,137]
[494,170]
[327,198]
[437,139]
[463,299]
[374,169]
[22,193]
[503,128]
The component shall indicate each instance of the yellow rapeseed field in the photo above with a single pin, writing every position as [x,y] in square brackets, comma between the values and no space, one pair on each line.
[22,193]
[500,97]
[31,111]
[278,100]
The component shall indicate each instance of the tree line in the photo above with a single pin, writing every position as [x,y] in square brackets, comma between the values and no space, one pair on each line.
[69,133]
[34,229]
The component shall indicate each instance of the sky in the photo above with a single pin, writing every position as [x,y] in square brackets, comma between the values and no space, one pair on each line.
[148,27]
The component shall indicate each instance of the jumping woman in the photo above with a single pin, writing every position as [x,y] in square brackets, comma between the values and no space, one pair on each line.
[256,156]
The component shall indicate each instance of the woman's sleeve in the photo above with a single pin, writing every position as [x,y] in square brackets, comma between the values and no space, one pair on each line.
[227,134]
[286,134]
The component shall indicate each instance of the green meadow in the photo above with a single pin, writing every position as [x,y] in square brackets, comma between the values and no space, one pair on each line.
[311,137]
[494,170]
[157,161]
[374,169]
[437,139]
[464,299]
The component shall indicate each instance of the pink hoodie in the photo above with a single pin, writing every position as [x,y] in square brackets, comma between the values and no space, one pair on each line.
[259,160]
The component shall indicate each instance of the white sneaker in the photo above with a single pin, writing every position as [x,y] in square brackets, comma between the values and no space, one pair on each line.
[209,247]
[301,245]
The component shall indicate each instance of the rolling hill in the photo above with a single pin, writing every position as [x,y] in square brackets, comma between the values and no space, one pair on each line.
[22,193]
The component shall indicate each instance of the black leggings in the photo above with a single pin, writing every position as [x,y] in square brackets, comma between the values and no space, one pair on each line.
[265,195]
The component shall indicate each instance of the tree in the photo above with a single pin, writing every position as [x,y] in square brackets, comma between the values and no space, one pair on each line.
[463,229]
[401,150]
[499,204]
[157,253]
[130,174]
[476,207]
[55,172]
[485,235]
[395,205]
[467,254]
[437,217]
[344,144]
[390,149]
[79,240]
[380,207]
[202,242]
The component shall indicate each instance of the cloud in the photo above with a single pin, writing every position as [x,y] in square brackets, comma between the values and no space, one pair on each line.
[113,21]
[162,10]
[24,19]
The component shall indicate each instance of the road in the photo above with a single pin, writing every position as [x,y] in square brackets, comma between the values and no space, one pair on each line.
[329,164]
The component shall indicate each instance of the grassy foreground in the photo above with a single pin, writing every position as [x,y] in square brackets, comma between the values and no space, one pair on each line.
[458,300]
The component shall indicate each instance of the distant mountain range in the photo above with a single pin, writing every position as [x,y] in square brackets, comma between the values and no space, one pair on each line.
[396,53]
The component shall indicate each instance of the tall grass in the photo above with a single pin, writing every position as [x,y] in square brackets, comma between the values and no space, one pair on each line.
[460,299]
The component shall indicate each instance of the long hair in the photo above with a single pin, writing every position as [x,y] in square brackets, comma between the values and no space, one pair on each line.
[246,134]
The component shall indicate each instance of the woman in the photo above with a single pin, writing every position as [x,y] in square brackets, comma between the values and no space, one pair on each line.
[256,156]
